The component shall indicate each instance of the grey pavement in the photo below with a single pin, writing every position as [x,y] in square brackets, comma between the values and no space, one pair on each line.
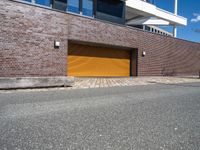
[148,117]
[82,83]
[85,83]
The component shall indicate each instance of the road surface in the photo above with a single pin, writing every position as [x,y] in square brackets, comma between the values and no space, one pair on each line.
[119,118]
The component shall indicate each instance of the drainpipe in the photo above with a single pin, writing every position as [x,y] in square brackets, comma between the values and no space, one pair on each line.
[175,12]
[199,74]
[175,31]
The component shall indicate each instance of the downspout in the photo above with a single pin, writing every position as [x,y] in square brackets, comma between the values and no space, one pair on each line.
[175,13]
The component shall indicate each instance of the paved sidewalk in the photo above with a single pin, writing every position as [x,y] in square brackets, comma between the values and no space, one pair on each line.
[81,83]
[85,83]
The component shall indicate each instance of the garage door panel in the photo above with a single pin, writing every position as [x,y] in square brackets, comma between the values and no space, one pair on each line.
[93,61]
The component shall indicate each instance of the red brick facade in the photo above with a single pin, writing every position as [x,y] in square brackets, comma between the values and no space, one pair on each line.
[27,35]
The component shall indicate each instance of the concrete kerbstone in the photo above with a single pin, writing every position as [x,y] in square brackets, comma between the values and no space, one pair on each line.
[35,82]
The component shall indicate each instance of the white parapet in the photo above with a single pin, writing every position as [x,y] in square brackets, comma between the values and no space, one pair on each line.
[148,21]
[149,10]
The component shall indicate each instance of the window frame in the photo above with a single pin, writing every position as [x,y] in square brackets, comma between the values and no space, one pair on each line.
[32,2]
[53,6]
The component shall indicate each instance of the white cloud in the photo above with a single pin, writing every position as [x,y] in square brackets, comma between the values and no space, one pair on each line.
[196,19]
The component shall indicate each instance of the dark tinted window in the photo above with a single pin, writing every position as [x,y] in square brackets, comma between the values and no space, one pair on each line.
[147,28]
[138,26]
[111,7]
[60,4]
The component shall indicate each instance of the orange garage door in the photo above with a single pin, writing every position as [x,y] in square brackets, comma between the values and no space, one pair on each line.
[84,60]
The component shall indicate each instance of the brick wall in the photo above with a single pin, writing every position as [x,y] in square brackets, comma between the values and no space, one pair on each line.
[27,35]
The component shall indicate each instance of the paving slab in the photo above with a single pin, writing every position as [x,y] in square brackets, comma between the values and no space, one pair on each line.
[133,81]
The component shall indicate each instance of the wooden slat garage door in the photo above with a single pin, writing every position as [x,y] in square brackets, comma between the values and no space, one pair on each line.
[84,60]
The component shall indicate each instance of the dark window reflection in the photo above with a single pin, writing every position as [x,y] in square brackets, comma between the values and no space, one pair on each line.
[60,4]
[111,7]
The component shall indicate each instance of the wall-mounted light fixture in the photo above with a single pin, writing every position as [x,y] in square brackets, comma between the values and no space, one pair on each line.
[56,44]
[143,53]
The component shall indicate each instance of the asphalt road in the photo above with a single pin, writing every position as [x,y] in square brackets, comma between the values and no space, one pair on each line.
[142,117]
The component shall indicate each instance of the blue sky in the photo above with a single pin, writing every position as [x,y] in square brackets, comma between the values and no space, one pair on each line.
[189,9]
